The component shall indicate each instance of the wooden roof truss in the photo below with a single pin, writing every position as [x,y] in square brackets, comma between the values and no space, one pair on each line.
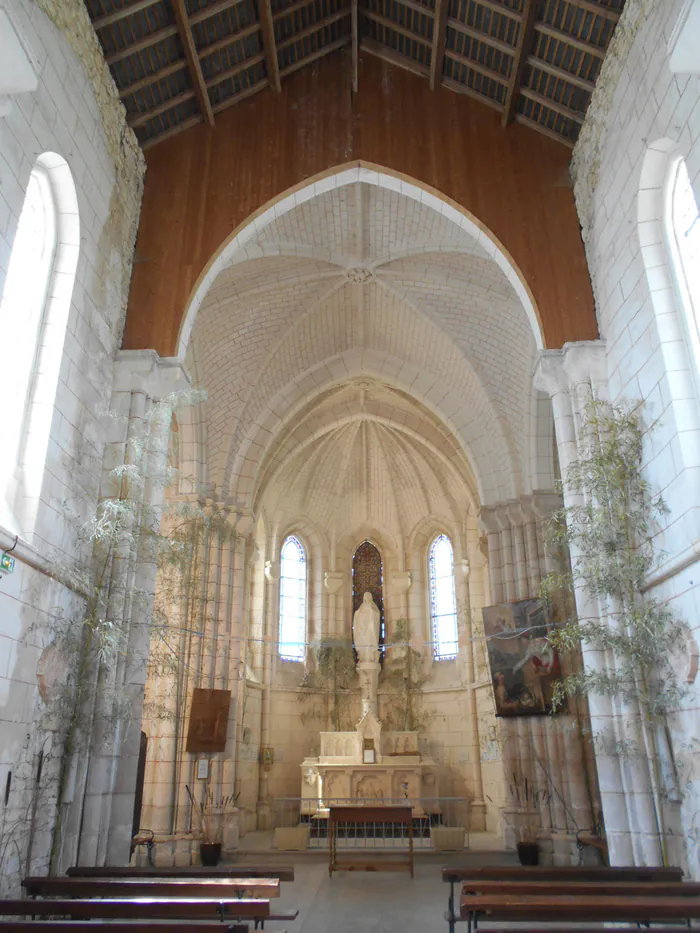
[177,63]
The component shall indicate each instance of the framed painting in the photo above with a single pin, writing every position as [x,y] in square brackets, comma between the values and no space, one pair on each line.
[524,664]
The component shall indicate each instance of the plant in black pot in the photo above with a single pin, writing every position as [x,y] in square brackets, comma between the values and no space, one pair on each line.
[213,815]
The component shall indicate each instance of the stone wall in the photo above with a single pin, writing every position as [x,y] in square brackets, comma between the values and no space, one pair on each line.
[641,116]
[74,113]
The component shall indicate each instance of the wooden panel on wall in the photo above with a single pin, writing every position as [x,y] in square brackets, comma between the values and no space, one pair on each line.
[203,183]
[208,720]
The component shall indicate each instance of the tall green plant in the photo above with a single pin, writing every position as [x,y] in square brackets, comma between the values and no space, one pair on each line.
[333,675]
[608,532]
[403,677]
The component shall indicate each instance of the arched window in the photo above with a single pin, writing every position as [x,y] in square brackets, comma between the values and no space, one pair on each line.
[22,312]
[683,236]
[292,636]
[34,312]
[443,605]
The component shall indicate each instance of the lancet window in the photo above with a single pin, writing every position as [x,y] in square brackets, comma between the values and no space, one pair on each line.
[22,311]
[683,235]
[292,630]
[368,576]
[443,604]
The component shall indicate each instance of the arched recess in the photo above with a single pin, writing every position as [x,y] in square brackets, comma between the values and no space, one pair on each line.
[368,576]
[238,242]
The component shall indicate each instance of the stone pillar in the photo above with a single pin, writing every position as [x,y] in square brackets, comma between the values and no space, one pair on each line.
[272,578]
[106,765]
[571,376]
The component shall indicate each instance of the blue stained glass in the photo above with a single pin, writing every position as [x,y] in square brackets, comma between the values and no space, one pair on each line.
[443,605]
[292,635]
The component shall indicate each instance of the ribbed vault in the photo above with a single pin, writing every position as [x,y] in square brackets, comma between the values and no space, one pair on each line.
[364,283]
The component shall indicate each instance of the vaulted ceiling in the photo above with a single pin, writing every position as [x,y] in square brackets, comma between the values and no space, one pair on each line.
[358,285]
[177,63]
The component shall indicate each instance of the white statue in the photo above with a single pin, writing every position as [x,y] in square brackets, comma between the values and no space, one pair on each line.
[365,624]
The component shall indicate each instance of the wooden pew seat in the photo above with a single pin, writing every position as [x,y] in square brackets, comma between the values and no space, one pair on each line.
[250,888]
[123,926]
[282,873]
[584,888]
[560,873]
[139,908]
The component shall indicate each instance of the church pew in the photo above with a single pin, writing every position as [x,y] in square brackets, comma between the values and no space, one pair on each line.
[123,926]
[585,888]
[250,888]
[452,875]
[140,908]
[544,908]
[193,871]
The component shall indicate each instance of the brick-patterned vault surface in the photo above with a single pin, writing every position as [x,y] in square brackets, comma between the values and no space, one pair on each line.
[364,334]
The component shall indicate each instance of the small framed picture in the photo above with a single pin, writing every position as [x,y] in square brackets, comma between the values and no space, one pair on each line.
[203,769]
[368,756]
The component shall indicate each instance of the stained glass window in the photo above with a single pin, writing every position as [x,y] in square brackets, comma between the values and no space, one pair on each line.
[443,605]
[292,636]
[683,230]
[368,576]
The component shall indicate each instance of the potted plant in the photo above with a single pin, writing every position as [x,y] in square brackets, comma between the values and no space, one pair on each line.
[213,815]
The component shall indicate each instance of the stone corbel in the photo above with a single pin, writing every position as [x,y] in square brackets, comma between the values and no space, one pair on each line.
[333,581]
[488,521]
[19,71]
[544,503]
[401,582]
[462,569]
[146,371]
[272,571]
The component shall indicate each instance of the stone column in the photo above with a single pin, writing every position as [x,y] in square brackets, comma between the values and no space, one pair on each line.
[571,376]
[272,577]
[103,799]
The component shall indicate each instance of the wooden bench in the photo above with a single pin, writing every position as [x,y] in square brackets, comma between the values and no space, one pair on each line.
[598,908]
[551,873]
[140,908]
[191,871]
[249,888]
[124,926]
[585,888]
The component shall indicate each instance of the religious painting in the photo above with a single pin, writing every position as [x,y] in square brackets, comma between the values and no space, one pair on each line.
[208,720]
[524,664]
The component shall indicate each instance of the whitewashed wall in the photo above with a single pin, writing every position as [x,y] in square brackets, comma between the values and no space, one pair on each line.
[75,113]
[640,114]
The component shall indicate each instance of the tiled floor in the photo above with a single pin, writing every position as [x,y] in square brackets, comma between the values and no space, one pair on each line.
[367,902]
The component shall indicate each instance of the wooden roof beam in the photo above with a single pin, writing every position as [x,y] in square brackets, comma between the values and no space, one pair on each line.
[437,55]
[476,66]
[269,47]
[138,119]
[228,41]
[526,34]
[501,10]
[552,105]
[195,68]
[545,130]
[596,9]
[314,28]
[153,78]
[238,69]
[355,34]
[397,27]
[152,39]
[117,15]
[550,69]
[372,47]
[212,10]
[319,53]
[564,37]
[480,36]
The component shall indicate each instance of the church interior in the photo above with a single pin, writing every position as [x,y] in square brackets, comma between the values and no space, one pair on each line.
[350,462]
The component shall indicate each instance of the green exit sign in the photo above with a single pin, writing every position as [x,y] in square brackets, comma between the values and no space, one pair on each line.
[7,563]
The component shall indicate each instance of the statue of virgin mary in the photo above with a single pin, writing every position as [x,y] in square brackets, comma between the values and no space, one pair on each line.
[365,625]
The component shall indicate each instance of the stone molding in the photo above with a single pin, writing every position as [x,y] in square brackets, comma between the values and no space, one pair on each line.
[146,371]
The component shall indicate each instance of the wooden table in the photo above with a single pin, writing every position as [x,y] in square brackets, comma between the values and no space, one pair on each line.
[345,816]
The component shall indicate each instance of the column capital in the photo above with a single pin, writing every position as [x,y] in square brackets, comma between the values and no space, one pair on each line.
[146,371]
[576,363]
[488,520]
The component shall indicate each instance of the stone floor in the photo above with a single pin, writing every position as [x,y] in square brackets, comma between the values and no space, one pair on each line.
[367,902]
